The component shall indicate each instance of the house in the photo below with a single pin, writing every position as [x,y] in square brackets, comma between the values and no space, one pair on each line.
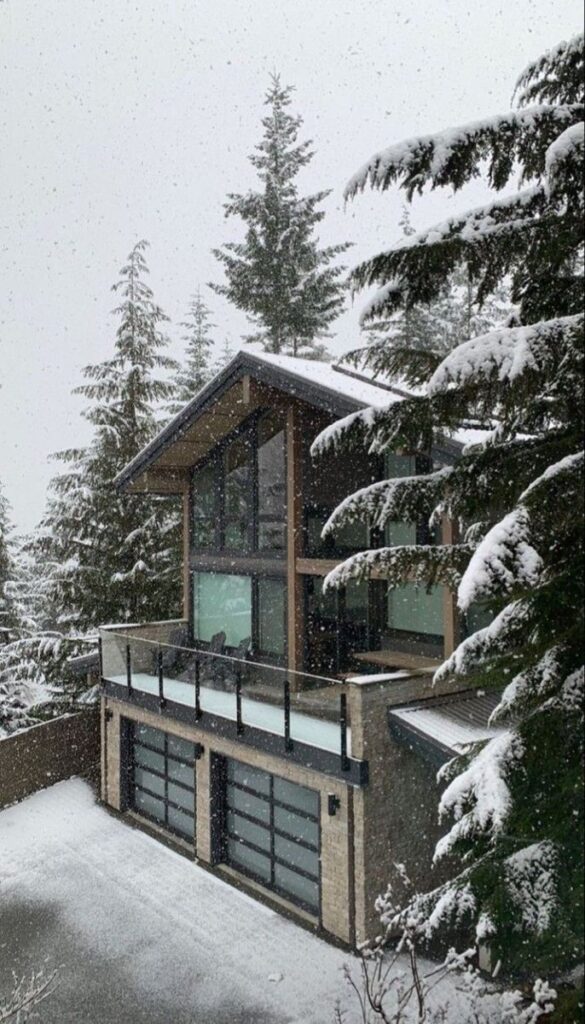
[260,730]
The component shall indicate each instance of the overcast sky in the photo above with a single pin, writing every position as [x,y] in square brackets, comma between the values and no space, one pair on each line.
[129,119]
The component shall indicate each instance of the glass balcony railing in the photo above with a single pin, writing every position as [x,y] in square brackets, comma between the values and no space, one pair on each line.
[296,706]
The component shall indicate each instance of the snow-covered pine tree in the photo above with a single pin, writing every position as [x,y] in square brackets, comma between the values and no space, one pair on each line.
[112,557]
[196,370]
[291,289]
[412,341]
[516,802]
[9,607]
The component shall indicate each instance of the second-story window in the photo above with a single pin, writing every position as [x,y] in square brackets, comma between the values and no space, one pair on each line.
[238,506]
[239,492]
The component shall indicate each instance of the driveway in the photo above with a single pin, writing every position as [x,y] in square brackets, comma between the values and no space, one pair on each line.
[141,935]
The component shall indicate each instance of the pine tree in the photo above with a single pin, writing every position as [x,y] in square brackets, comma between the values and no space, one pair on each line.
[515,802]
[290,288]
[196,370]
[412,341]
[115,557]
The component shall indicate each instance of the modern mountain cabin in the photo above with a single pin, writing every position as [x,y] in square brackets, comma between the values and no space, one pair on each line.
[285,737]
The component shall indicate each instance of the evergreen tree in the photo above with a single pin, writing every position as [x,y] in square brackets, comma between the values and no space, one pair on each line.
[9,607]
[516,801]
[290,288]
[115,557]
[413,340]
[225,356]
[196,370]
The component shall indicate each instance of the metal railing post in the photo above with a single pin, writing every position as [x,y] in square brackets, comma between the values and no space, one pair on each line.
[198,711]
[239,723]
[128,668]
[101,660]
[161,683]
[343,732]
[287,740]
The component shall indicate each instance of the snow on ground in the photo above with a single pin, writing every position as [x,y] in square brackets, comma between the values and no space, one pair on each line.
[143,934]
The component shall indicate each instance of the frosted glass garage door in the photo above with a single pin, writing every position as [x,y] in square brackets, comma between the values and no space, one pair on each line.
[272,832]
[162,779]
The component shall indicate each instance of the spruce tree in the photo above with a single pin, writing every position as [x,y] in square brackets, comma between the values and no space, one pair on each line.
[291,289]
[115,557]
[196,370]
[515,802]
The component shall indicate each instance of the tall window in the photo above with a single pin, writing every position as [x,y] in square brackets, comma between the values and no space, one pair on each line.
[237,475]
[205,500]
[271,485]
[239,492]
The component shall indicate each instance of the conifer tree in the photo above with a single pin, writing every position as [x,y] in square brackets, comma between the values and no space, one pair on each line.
[115,557]
[290,288]
[225,356]
[196,370]
[515,802]
[9,608]
[413,340]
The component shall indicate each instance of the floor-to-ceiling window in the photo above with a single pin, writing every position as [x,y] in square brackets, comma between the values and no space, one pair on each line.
[240,612]
[239,492]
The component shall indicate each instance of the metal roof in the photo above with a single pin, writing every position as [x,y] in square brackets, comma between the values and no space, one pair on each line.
[447,725]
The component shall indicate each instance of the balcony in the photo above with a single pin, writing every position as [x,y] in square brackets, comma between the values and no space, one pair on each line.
[295,715]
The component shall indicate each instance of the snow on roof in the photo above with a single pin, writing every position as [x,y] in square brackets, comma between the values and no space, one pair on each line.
[451,723]
[371,392]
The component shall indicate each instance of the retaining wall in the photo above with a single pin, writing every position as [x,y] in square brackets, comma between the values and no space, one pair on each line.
[48,753]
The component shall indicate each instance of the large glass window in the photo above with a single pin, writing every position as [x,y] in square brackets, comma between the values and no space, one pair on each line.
[239,493]
[222,604]
[162,778]
[237,465]
[271,616]
[272,832]
[248,612]
[271,484]
[412,609]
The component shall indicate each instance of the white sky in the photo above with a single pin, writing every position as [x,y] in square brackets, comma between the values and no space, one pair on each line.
[128,119]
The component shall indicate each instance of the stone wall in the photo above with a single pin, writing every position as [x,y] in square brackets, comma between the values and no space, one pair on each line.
[48,753]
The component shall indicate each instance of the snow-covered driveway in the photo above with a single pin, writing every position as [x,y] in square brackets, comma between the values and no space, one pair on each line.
[141,934]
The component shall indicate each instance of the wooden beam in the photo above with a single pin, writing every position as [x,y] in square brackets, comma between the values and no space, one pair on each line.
[294,534]
[317,566]
[170,481]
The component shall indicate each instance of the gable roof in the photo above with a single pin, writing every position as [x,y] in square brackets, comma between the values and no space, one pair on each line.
[326,387]
[333,389]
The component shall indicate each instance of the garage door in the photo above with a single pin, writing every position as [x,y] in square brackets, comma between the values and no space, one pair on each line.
[162,779]
[272,832]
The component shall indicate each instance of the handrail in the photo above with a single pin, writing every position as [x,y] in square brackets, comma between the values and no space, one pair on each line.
[328,680]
